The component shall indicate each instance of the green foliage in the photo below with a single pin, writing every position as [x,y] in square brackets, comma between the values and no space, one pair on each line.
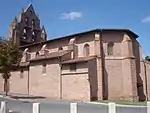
[147,58]
[10,56]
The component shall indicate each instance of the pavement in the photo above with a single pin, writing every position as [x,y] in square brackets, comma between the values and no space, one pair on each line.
[24,105]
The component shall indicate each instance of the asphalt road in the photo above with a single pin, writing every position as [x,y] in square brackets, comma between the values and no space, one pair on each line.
[52,106]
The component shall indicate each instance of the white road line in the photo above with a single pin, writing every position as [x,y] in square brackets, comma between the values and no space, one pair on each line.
[119,105]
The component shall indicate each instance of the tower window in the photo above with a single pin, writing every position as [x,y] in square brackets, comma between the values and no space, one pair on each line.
[33,36]
[24,37]
[27,20]
[110,47]
[30,12]
[33,23]
[21,73]
[60,48]
[24,33]
[44,69]
[86,50]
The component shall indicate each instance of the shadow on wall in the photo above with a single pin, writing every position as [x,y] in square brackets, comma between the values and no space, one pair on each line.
[105,85]
[104,78]
[140,89]
[93,80]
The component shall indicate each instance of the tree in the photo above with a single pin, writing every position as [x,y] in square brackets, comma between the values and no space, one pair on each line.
[10,57]
[147,58]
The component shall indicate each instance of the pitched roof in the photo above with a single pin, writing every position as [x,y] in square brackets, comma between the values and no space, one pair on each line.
[51,55]
[82,33]
[77,60]
[30,6]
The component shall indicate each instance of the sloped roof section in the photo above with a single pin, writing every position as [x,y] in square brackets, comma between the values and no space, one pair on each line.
[30,7]
[78,60]
[51,55]
[128,31]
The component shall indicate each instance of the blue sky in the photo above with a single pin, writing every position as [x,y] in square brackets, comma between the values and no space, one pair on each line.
[63,17]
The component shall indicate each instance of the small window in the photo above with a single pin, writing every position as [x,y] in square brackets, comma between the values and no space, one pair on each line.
[24,37]
[21,73]
[60,48]
[24,31]
[33,36]
[37,54]
[86,50]
[30,12]
[44,69]
[73,67]
[33,23]
[27,20]
[110,47]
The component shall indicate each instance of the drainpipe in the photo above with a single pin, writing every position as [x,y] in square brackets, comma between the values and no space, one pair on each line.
[145,73]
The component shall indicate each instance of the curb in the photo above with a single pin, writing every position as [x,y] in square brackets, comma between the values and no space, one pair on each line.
[119,105]
[7,97]
[98,103]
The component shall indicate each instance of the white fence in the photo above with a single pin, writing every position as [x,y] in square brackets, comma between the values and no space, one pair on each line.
[73,108]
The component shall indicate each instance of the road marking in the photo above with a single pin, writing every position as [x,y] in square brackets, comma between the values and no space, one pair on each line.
[1,96]
[119,105]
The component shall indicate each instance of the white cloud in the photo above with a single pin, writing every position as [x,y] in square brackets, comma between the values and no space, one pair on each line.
[71,15]
[146,19]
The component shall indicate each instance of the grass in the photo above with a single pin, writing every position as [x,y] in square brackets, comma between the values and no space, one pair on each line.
[124,102]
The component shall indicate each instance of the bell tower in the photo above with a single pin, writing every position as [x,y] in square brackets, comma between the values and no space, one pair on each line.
[26,29]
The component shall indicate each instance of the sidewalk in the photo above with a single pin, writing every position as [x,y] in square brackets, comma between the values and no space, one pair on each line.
[30,98]
[17,96]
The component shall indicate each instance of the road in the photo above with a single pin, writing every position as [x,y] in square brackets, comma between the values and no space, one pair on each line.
[54,106]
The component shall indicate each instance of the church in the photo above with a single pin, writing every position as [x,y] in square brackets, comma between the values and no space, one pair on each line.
[100,64]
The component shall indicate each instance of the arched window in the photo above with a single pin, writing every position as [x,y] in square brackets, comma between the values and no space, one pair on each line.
[33,36]
[86,50]
[27,20]
[33,23]
[44,69]
[24,31]
[37,54]
[110,47]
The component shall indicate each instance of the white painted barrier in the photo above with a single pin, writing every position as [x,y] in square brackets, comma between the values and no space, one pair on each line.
[3,108]
[36,108]
[73,108]
[148,107]
[111,108]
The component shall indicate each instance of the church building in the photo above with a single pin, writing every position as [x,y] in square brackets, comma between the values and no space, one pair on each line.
[100,64]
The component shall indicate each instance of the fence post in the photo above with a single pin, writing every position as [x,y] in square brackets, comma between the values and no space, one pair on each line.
[73,107]
[148,107]
[112,108]
[3,108]
[36,107]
